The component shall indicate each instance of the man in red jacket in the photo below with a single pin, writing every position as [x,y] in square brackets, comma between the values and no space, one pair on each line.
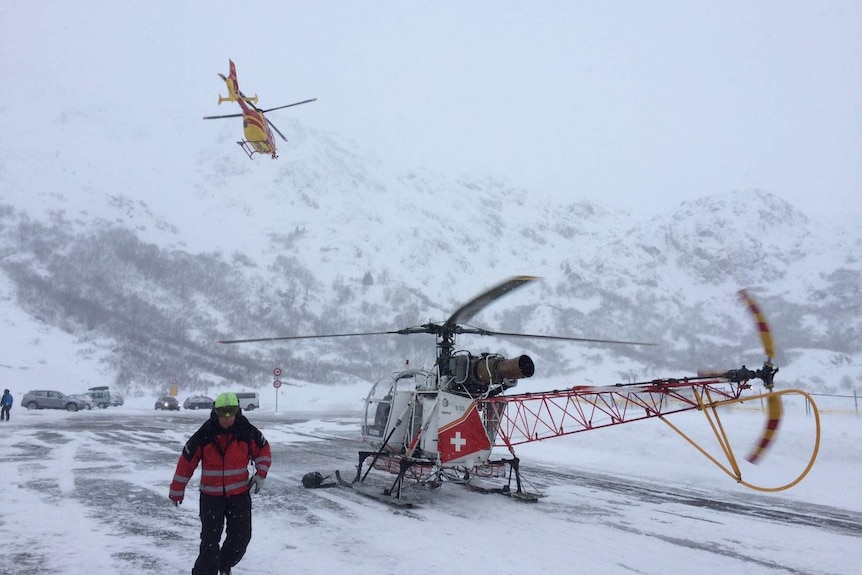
[224,446]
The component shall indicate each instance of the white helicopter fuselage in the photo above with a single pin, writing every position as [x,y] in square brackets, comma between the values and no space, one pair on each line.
[407,415]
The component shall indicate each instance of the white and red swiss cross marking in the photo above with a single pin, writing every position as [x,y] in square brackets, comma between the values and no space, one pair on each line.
[458,442]
[462,437]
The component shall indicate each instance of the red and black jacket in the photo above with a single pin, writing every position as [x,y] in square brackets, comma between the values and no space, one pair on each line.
[224,455]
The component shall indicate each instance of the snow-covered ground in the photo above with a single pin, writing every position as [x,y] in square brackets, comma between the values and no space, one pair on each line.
[87,493]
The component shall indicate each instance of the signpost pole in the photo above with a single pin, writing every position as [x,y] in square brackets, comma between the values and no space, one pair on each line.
[276,384]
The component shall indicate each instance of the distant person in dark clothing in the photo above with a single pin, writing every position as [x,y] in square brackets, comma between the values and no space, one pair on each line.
[5,405]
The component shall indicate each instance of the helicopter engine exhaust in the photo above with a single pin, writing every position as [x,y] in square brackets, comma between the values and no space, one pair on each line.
[494,369]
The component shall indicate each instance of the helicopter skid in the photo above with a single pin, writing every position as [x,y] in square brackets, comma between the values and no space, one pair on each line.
[482,487]
[249,148]
[482,484]
[375,493]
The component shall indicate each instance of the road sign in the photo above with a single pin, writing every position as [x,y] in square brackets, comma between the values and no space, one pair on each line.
[276,372]
[276,384]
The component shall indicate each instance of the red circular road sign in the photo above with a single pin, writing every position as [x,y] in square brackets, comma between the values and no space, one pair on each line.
[276,384]
[276,372]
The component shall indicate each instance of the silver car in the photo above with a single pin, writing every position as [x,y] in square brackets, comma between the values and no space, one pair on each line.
[88,401]
[47,399]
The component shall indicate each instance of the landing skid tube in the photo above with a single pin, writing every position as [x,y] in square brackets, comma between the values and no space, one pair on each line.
[246,148]
[393,494]
[425,472]
[474,484]
[373,493]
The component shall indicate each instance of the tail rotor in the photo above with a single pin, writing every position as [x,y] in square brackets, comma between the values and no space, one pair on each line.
[766,374]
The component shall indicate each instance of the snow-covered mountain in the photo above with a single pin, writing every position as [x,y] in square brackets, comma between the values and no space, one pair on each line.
[141,254]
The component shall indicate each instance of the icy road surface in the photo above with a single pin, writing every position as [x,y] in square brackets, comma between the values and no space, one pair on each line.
[87,493]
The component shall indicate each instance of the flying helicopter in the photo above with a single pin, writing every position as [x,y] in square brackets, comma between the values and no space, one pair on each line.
[257,128]
[427,426]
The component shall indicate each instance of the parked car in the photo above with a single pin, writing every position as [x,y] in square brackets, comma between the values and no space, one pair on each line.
[198,402]
[248,401]
[101,396]
[168,402]
[88,401]
[117,399]
[47,399]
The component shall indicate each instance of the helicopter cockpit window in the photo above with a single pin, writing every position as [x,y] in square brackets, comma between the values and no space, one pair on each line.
[377,408]
[381,416]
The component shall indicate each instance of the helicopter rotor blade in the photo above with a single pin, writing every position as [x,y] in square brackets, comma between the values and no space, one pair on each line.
[405,331]
[225,116]
[454,325]
[289,105]
[262,112]
[762,326]
[480,331]
[768,371]
[268,121]
[277,131]
[475,305]
[249,101]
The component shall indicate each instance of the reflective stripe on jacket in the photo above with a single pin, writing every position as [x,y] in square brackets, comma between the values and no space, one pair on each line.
[224,456]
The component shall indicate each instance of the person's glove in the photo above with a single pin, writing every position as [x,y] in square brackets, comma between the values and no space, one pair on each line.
[177,499]
[255,483]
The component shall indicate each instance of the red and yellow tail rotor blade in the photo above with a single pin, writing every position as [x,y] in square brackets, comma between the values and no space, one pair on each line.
[774,410]
[774,407]
[762,326]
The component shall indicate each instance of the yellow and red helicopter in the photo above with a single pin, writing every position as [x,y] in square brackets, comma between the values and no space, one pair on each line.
[256,127]
[427,426]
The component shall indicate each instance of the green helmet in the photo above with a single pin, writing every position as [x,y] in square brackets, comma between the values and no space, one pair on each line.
[226,399]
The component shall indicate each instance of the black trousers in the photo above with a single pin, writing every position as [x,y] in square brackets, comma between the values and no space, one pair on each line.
[4,413]
[216,512]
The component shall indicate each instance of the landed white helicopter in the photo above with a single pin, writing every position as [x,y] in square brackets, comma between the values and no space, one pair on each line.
[430,426]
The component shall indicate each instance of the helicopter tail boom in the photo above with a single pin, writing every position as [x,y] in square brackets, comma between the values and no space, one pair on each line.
[233,92]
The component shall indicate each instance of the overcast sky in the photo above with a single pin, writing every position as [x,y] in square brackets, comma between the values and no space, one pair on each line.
[640,105]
